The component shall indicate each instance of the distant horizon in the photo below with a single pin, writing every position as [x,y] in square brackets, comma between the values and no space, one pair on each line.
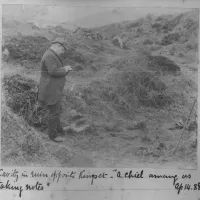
[58,14]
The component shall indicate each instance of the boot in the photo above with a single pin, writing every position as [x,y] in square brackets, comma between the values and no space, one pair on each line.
[52,130]
[58,139]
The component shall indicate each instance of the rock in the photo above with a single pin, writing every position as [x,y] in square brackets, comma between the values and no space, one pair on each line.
[73,128]
[82,128]
[5,53]
[24,62]
[35,27]
[139,125]
[77,30]
[179,124]
[34,89]
[157,85]
[89,34]
[73,112]
[192,126]
[81,122]
[75,117]
[193,138]
[119,41]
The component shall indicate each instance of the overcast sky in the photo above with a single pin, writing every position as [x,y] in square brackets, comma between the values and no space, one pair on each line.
[66,13]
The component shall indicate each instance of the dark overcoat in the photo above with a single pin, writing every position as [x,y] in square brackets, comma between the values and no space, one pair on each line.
[53,78]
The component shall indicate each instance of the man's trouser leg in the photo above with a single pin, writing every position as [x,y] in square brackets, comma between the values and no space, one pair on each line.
[59,127]
[54,119]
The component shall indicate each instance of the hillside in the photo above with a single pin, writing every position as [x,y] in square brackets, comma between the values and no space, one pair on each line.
[152,26]
[130,99]
[107,17]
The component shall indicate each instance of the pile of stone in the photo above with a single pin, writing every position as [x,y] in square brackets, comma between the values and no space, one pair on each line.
[89,34]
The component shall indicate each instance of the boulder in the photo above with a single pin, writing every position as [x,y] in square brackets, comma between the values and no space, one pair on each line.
[5,53]
[119,41]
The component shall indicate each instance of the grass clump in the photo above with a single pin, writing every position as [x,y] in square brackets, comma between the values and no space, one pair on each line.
[27,48]
[125,92]
[148,41]
[21,97]
[164,64]
[170,39]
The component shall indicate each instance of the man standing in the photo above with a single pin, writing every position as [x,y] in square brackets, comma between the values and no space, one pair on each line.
[52,81]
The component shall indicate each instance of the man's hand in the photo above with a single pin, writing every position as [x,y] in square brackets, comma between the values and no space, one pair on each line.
[68,68]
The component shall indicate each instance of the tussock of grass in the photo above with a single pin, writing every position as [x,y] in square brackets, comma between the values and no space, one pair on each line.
[21,97]
[164,64]
[125,92]
[170,38]
[27,144]
[27,48]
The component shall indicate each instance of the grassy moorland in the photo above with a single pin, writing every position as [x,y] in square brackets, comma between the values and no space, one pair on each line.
[130,98]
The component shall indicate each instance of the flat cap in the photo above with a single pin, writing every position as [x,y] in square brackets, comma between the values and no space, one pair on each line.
[60,41]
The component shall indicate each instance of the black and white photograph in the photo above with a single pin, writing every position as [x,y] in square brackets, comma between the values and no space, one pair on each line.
[99,87]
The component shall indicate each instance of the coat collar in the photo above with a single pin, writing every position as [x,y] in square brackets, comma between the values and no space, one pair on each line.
[56,55]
